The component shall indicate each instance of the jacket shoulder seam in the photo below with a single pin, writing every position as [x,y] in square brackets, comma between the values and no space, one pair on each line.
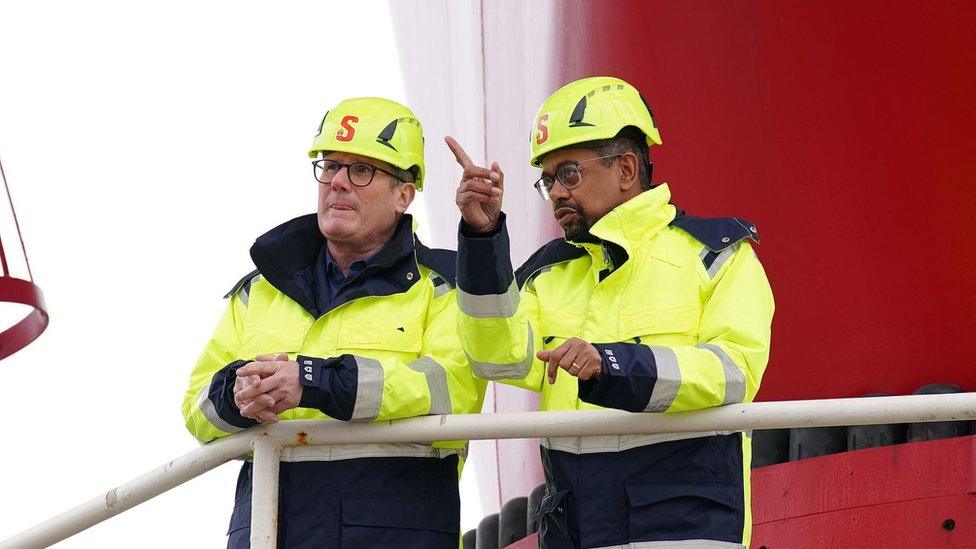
[716,233]
[244,283]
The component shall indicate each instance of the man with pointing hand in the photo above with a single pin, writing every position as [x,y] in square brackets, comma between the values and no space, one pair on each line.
[639,308]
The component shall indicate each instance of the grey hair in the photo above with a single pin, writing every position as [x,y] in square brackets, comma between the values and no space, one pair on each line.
[404,176]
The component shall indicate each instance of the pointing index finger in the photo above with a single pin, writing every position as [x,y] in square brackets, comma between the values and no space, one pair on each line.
[462,157]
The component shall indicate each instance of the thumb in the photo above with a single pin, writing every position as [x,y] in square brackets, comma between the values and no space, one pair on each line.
[501,175]
[543,355]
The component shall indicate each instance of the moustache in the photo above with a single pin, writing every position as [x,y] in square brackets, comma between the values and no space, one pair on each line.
[565,204]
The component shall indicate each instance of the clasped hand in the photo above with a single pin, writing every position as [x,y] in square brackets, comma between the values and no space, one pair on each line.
[267,387]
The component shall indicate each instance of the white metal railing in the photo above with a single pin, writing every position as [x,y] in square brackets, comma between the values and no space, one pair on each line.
[267,441]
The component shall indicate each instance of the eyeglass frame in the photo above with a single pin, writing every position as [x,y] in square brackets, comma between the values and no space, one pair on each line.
[372,175]
[540,183]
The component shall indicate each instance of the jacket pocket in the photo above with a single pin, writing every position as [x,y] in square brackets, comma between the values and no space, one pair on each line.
[405,338]
[685,511]
[377,521]
[552,515]
[651,322]
[556,327]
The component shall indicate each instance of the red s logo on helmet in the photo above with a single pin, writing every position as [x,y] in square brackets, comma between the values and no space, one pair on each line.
[346,132]
[543,134]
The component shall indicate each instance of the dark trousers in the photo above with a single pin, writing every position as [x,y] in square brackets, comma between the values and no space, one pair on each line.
[366,502]
[683,489]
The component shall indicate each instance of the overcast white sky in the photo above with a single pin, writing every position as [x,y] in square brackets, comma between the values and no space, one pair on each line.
[146,145]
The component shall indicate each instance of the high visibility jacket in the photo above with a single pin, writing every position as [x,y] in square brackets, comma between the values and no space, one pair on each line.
[680,310]
[390,350]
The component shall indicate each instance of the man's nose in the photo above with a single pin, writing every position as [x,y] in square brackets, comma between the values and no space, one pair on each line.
[558,192]
[341,180]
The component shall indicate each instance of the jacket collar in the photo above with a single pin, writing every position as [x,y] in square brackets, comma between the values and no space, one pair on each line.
[638,219]
[289,254]
[632,223]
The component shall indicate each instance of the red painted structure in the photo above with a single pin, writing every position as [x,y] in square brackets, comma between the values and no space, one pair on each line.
[23,292]
[921,494]
[21,334]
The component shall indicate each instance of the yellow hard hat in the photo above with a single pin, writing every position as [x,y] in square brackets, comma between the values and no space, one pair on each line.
[590,109]
[377,128]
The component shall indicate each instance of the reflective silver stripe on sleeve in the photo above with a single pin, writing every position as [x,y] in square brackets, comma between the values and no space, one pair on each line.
[668,379]
[735,380]
[440,397]
[210,412]
[491,305]
[678,544]
[720,260]
[516,370]
[369,388]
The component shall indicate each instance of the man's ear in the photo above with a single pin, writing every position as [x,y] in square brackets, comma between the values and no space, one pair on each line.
[627,168]
[405,194]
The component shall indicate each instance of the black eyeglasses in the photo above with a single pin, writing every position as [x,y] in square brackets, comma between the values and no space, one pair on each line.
[360,173]
[569,175]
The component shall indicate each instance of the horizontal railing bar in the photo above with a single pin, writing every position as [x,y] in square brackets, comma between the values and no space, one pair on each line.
[735,417]
[132,493]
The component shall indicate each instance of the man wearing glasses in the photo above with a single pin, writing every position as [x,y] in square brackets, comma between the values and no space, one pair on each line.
[347,317]
[640,308]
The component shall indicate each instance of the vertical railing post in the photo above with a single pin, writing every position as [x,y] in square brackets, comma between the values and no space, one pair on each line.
[264,494]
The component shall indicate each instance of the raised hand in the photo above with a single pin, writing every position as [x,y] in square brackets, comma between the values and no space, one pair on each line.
[479,195]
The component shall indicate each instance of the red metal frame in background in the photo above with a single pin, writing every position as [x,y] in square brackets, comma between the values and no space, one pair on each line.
[920,494]
[18,336]
[16,290]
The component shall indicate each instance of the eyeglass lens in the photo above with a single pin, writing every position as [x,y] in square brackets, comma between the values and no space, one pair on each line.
[360,173]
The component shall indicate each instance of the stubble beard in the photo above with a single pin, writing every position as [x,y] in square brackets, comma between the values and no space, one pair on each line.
[578,230]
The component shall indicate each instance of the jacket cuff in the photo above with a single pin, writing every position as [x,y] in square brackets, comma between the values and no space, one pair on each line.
[484,263]
[629,374]
[222,396]
[329,385]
